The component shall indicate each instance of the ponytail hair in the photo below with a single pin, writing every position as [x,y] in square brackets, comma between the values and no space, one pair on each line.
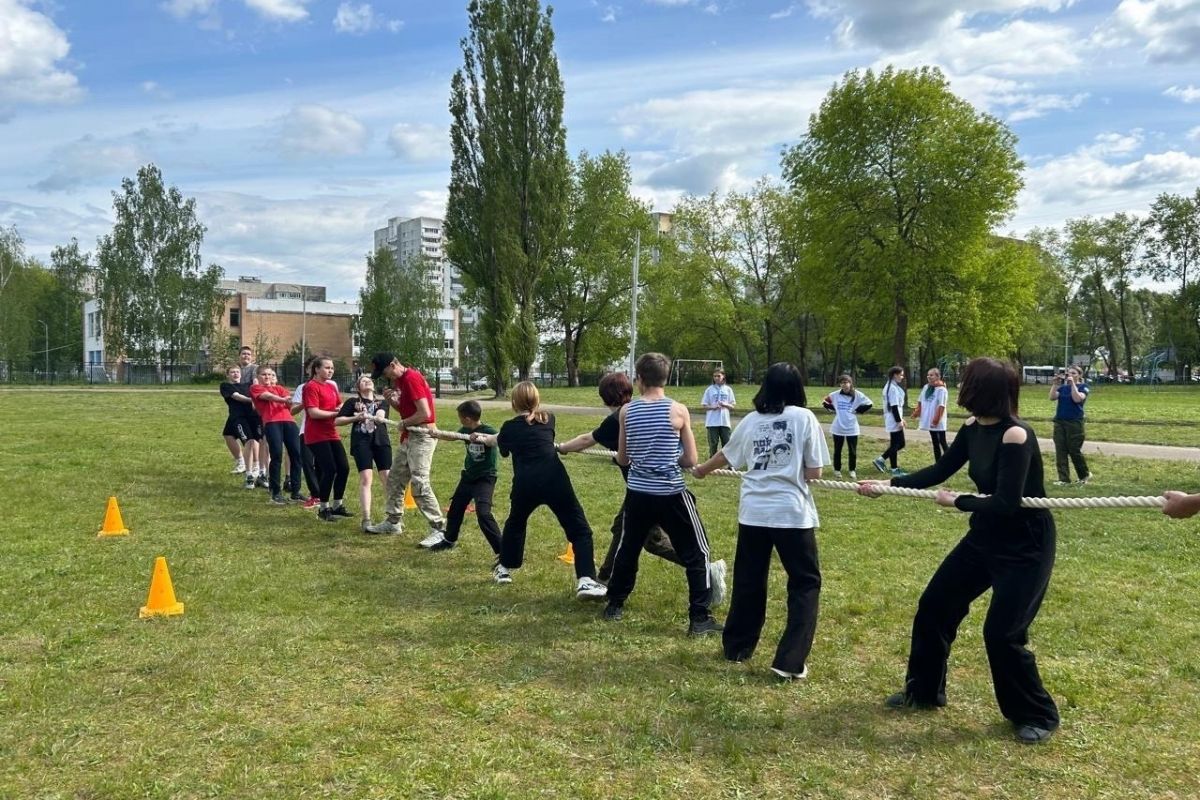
[527,401]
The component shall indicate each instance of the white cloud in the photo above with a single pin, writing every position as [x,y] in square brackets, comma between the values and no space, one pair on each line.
[1194,134]
[280,10]
[698,174]
[610,14]
[419,142]
[186,8]
[1014,49]
[360,18]
[1112,173]
[89,158]
[319,130]
[1167,30]
[728,119]
[891,24]
[155,89]
[1188,94]
[31,46]
[785,12]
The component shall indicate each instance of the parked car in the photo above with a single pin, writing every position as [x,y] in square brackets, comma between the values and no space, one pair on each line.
[479,383]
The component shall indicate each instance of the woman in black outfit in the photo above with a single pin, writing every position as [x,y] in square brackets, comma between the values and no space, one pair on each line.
[1007,549]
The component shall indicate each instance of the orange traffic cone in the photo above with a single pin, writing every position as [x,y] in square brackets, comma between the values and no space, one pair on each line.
[569,556]
[161,601]
[408,498]
[113,524]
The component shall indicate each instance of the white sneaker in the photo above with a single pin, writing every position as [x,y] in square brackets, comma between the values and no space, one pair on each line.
[716,580]
[853,475]
[791,676]
[238,468]
[587,589]
[437,537]
[837,473]
[501,575]
[383,526]
[249,484]
[1085,481]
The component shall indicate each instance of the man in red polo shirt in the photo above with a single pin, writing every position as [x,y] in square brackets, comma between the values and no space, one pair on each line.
[410,395]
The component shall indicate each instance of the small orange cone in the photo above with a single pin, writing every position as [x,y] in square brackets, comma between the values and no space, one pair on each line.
[409,502]
[569,556]
[113,524]
[161,601]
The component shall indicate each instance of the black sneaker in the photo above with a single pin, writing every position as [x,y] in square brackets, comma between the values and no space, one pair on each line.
[1032,734]
[298,498]
[278,500]
[287,485]
[340,511]
[262,483]
[705,627]
[612,613]
[905,700]
[327,515]
[444,544]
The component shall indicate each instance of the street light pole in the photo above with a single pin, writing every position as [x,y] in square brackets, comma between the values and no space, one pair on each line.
[47,327]
[633,306]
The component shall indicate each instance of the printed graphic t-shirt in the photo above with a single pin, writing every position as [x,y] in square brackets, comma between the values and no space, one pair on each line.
[480,461]
[774,449]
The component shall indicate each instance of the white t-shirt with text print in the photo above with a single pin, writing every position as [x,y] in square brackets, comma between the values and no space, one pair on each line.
[774,449]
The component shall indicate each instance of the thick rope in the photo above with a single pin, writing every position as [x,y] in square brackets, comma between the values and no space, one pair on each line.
[925,494]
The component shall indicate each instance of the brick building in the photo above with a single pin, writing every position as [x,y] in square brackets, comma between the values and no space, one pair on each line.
[284,314]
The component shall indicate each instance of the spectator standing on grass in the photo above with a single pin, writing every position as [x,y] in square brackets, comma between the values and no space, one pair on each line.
[370,446]
[257,464]
[539,479]
[476,484]
[409,394]
[717,402]
[930,412]
[322,402]
[1069,392]
[616,391]
[781,448]
[657,444]
[1008,549]
[893,421]
[846,404]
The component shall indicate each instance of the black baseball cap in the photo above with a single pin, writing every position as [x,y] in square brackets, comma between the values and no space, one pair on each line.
[379,363]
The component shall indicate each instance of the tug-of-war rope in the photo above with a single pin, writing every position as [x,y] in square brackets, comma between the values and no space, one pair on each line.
[849,486]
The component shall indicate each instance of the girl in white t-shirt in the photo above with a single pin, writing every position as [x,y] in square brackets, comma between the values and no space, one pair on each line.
[893,421]
[931,411]
[846,404]
[781,447]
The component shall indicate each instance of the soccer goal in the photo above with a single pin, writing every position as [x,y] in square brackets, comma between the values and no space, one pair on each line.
[694,371]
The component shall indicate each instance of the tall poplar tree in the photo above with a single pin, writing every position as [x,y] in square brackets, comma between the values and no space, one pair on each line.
[509,174]
[157,299]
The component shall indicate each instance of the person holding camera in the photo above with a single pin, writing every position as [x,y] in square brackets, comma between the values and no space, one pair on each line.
[1070,393]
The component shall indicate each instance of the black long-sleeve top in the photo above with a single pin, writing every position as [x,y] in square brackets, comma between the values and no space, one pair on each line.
[1004,472]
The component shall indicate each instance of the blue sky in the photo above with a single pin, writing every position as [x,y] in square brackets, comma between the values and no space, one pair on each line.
[301,125]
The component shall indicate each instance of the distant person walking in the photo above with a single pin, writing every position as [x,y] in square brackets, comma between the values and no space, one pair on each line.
[717,401]
[893,421]
[1070,392]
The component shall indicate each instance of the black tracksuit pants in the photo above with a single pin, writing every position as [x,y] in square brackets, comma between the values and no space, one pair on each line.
[676,514]
[479,492]
[551,489]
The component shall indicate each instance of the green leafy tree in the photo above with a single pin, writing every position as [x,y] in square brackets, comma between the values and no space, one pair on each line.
[509,176]
[64,309]
[398,309]
[900,178]
[584,295]
[14,306]
[1172,256]
[157,298]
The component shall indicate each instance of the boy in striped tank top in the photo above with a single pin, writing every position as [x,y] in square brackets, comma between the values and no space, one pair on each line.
[656,443]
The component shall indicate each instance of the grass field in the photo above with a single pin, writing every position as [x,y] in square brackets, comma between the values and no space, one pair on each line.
[1167,415]
[314,661]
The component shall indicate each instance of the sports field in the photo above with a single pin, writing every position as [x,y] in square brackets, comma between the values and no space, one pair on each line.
[314,661]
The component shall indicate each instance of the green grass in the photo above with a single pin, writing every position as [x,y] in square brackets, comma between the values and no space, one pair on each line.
[317,662]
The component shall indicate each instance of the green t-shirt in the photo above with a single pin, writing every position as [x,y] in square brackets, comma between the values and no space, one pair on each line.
[480,461]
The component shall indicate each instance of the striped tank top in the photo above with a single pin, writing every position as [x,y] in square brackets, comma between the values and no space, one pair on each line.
[653,448]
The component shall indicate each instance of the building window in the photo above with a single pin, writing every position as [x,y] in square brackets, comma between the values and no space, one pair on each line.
[235,317]
[447,344]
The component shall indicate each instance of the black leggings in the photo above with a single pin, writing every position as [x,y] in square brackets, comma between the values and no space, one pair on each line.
[894,447]
[939,443]
[852,442]
[332,468]
[280,435]
[310,469]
